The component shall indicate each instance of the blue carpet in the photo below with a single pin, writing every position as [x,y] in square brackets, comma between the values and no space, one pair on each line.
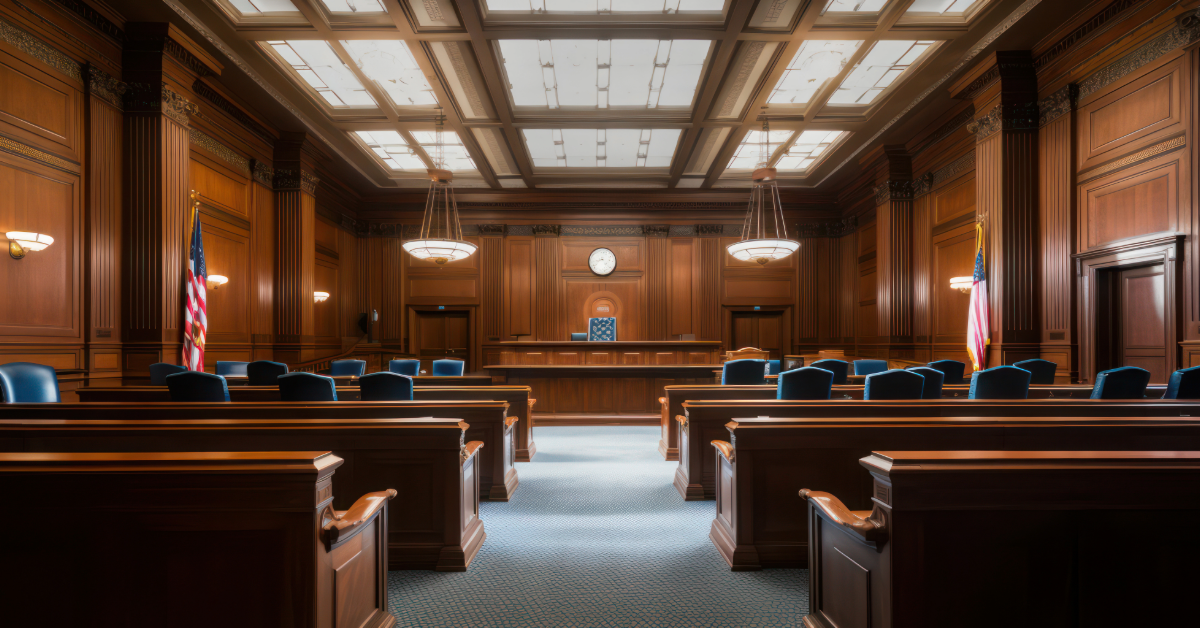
[596,535]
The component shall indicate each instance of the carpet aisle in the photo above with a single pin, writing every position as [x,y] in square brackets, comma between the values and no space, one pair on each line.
[595,536]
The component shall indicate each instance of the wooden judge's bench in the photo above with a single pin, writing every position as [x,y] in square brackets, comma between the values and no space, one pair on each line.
[600,383]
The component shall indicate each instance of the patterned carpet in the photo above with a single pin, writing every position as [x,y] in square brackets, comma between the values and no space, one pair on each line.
[597,536]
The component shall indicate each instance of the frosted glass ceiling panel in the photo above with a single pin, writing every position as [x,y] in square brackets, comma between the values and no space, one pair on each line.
[814,64]
[601,148]
[854,6]
[354,6]
[263,7]
[606,7]
[455,154]
[392,150]
[810,148]
[391,64]
[318,65]
[582,74]
[942,7]
[748,153]
[879,70]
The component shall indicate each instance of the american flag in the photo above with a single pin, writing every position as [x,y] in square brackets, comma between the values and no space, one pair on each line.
[977,318]
[195,320]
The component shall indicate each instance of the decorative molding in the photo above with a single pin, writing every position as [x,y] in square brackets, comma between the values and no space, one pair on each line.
[616,205]
[1079,34]
[473,99]
[152,98]
[683,231]
[749,58]
[303,180]
[893,189]
[262,172]
[1057,104]
[923,184]
[951,170]
[12,146]
[963,118]
[607,230]
[546,230]
[1006,118]
[203,90]
[1162,147]
[499,230]
[656,231]
[93,53]
[1186,31]
[520,230]
[25,42]
[103,86]
[93,18]
[983,80]
[832,229]
[228,155]
[710,231]
[434,9]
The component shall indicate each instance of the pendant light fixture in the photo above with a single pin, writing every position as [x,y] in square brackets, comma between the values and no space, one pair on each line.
[441,238]
[764,234]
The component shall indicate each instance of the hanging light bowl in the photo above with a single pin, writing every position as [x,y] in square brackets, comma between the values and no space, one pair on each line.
[441,238]
[764,234]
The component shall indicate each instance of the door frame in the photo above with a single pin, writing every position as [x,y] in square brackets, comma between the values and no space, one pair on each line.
[473,340]
[785,327]
[1165,250]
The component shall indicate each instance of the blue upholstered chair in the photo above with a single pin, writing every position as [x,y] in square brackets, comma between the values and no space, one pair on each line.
[26,382]
[952,370]
[602,329]
[806,382]
[448,368]
[839,368]
[578,336]
[307,387]
[1000,382]
[1126,382]
[894,384]
[355,368]
[933,381]
[1041,371]
[386,386]
[231,368]
[744,372]
[160,370]
[411,368]
[265,372]
[197,386]
[773,367]
[1184,384]
[869,367]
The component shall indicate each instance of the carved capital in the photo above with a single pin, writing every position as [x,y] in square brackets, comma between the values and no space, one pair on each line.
[1057,104]
[831,229]
[302,180]
[263,172]
[159,98]
[103,86]
[893,189]
[656,231]
[547,230]
[922,185]
[493,229]
[709,231]
[1005,118]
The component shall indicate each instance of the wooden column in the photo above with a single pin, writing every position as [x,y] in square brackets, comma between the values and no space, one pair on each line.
[658,282]
[295,248]
[547,297]
[1056,192]
[712,254]
[1004,88]
[922,266]
[491,261]
[262,310]
[893,211]
[104,136]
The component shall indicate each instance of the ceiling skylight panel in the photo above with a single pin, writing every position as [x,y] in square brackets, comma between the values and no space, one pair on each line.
[606,7]
[854,6]
[633,69]
[601,148]
[392,150]
[263,7]
[814,64]
[878,70]
[747,156]
[942,7]
[457,159]
[809,149]
[319,66]
[390,63]
[354,6]
[682,72]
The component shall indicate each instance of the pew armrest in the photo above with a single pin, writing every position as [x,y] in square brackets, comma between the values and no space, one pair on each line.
[341,525]
[725,448]
[682,420]
[532,403]
[508,421]
[469,449]
[833,509]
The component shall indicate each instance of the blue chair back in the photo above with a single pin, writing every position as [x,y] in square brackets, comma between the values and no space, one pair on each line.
[1184,384]
[773,367]
[411,368]
[602,329]
[348,367]
[1041,371]
[306,387]
[1126,382]
[1000,382]
[231,368]
[26,382]
[744,372]
[869,367]
[933,381]
[386,386]
[448,368]
[265,372]
[839,368]
[952,370]
[197,386]
[578,336]
[806,382]
[894,384]
[160,370]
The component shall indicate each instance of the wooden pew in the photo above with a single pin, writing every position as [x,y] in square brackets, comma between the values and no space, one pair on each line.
[488,420]
[703,421]
[519,403]
[434,525]
[144,540]
[1053,538]
[674,396]
[759,523]
[420,380]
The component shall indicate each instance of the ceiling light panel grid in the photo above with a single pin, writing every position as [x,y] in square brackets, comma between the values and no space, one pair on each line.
[319,67]
[880,69]
[390,148]
[454,154]
[601,148]
[358,7]
[748,155]
[390,63]
[809,149]
[604,7]
[947,8]
[815,63]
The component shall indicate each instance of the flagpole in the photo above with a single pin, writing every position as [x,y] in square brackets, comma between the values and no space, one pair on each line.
[189,233]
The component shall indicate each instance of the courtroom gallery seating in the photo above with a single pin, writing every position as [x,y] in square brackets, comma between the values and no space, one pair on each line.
[744,372]
[933,381]
[1000,382]
[197,386]
[579,336]
[1184,384]
[25,382]
[1041,371]
[385,386]
[894,384]
[807,382]
[1126,382]
[411,368]
[952,369]
[773,367]
[448,368]
[354,368]
[231,368]
[160,370]
[265,372]
[839,368]
[868,367]
[307,387]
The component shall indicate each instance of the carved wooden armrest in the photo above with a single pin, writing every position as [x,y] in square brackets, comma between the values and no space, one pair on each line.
[835,510]
[469,449]
[725,447]
[682,420]
[531,403]
[341,525]
[508,421]
[663,401]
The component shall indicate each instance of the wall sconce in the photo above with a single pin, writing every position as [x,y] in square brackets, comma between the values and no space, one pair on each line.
[320,297]
[962,284]
[216,281]
[21,242]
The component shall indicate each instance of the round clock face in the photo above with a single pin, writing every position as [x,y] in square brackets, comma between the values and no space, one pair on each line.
[602,261]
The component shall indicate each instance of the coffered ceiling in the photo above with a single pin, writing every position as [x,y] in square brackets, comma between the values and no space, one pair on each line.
[604,93]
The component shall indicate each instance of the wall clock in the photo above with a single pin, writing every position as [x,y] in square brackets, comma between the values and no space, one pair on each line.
[602,261]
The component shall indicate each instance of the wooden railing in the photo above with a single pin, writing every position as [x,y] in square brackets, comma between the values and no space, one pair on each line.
[376,357]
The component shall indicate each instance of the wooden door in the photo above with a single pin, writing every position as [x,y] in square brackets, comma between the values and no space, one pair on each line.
[442,335]
[763,330]
[1143,320]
